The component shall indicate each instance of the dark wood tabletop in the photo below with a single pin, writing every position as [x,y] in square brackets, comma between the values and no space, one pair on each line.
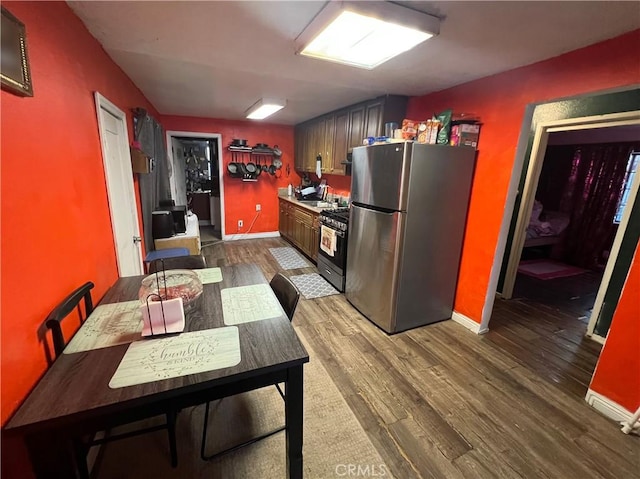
[76,389]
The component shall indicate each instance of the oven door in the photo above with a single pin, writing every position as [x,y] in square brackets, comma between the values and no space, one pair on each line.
[339,258]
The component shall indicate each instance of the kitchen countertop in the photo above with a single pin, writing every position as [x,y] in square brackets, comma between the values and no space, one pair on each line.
[302,204]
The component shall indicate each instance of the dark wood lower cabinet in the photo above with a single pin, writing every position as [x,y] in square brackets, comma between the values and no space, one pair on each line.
[300,227]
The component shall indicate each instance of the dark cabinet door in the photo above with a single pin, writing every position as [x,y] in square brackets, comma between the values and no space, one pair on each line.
[300,145]
[316,144]
[373,121]
[328,153]
[289,221]
[356,126]
[283,220]
[340,143]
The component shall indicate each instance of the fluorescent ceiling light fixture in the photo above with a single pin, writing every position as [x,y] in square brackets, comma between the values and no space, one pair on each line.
[264,107]
[365,34]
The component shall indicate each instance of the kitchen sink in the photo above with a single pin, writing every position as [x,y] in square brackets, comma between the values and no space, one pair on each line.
[315,203]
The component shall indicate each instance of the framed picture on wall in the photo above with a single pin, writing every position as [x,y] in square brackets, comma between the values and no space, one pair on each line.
[15,74]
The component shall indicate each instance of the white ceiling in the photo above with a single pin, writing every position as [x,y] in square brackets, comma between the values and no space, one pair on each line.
[215,59]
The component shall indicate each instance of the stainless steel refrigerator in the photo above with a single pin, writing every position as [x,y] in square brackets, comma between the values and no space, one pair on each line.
[408,213]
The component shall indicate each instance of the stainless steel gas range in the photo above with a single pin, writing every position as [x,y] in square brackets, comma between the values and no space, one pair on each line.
[332,256]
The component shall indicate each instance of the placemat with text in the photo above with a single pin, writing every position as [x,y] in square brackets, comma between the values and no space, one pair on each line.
[156,359]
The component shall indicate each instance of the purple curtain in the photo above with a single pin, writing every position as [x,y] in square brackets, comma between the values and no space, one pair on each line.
[590,197]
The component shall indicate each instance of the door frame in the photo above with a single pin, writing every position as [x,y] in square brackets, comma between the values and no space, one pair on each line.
[210,136]
[623,99]
[530,187]
[102,103]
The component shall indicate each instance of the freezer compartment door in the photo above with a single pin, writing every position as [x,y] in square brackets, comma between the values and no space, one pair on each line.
[372,255]
[379,175]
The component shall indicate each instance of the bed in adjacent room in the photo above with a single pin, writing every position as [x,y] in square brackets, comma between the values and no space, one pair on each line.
[545,227]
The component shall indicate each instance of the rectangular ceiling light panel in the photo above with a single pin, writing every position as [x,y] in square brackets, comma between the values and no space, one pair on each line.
[366,40]
[264,108]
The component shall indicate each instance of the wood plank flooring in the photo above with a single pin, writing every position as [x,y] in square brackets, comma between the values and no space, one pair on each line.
[441,402]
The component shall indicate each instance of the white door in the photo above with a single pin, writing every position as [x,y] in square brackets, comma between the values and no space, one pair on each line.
[119,177]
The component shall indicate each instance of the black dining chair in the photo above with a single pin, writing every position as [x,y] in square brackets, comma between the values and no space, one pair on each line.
[286,292]
[82,446]
[288,296]
[195,261]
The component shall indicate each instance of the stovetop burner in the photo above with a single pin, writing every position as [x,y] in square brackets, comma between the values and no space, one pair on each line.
[337,213]
[337,218]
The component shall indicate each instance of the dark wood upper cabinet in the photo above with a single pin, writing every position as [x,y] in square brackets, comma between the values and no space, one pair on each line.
[299,145]
[340,144]
[373,119]
[333,135]
[328,155]
[356,126]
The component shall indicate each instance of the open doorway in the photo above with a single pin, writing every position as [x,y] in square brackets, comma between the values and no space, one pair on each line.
[553,344]
[196,181]
[582,191]
[616,259]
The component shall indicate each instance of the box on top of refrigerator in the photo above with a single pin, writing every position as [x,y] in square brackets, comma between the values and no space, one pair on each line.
[465,134]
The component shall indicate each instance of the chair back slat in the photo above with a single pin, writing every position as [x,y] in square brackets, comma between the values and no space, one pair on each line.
[195,261]
[286,292]
[63,310]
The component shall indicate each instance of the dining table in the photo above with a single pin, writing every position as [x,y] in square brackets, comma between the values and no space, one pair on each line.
[76,396]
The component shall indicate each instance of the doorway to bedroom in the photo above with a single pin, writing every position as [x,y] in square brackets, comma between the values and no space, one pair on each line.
[537,333]
[590,145]
[583,188]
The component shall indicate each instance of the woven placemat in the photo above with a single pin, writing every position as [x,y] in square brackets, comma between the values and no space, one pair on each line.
[244,304]
[108,325]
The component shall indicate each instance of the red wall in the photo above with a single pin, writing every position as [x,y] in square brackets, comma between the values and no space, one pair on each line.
[617,375]
[56,228]
[240,198]
[339,185]
[500,100]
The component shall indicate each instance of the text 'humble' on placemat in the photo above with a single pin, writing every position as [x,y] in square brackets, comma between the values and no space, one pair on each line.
[333,438]
[195,352]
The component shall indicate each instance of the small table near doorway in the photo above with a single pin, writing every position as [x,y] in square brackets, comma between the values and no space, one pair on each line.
[74,398]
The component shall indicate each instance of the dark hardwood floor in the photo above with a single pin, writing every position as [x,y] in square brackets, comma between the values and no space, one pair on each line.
[441,402]
[573,295]
[544,327]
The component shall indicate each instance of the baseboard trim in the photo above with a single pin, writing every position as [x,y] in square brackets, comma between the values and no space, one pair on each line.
[597,338]
[607,407]
[242,236]
[468,323]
